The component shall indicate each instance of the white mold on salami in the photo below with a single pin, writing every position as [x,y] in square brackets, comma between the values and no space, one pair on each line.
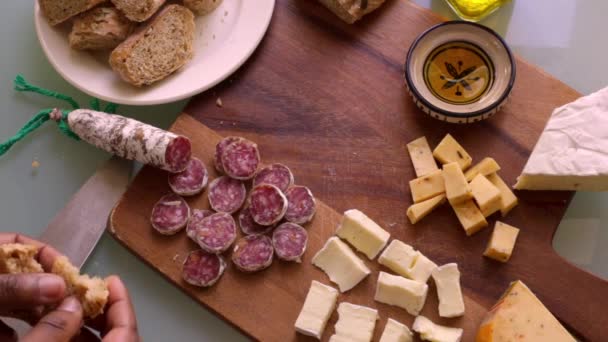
[278,175]
[289,241]
[131,139]
[203,269]
[248,225]
[219,149]
[253,253]
[267,204]
[302,204]
[216,233]
[226,195]
[191,181]
[240,159]
[196,218]
[170,214]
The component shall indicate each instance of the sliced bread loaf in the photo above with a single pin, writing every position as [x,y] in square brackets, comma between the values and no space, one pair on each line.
[202,7]
[158,49]
[138,10]
[58,11]
[99,28]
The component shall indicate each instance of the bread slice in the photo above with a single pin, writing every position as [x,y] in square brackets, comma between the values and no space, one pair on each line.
[158,49]
[100,28]
[352,10]
[138,10]
[58,11]
[92,292]
[202,7]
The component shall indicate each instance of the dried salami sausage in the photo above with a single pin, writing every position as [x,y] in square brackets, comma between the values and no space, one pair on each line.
[170,214]
[248,225]
[191,181]
[253,253]
[216,233]
[302,204]
[219,149]
[278,175]
[203,269]
[196,218]
[226,195]
[240,159]
[289,241]
[267,204]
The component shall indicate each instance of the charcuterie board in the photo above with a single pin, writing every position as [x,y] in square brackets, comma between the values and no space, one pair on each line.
[328,100]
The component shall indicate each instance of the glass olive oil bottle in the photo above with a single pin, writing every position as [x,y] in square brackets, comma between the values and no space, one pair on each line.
[475,10]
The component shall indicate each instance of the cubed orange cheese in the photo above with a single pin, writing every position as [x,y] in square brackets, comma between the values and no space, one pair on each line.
[418,211]
[486,195]
[507,198]
[502,242]
[485,167]
[449,151]
[427,186]
[457,188]
[470,217]
[422,157]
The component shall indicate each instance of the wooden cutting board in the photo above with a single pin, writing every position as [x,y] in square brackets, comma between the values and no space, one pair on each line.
[329,100]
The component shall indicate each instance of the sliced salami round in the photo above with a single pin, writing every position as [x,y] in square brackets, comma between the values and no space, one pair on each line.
[227,195]
[278,175]
[196,218]
[219,149]
[203,269]
[216,233]
[267,204]
[302,204]
[253,253]
[289,241]
[248,225]
[191,181]
[240,159]
[170,214]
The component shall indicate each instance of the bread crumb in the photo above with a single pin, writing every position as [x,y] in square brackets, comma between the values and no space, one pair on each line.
[175,257]
[219,102]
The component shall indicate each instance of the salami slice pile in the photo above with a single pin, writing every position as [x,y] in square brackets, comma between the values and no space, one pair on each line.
[196,218]
[191,181]
[226,195]
[216,233]
[253,253]
[203,269]
[170,214]
[249,226]
[289,241]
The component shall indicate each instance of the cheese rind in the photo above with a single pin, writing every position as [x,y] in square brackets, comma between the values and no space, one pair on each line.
[427,186]
[486,194]
[418,211]
[457,188]
[402,259]
[396,332]
[519,315]
[422,157]
[318,306]
[430,331]
[341,264]
[401,292]
[508,200]
[485,167]
[470,217]
[355,323]
[449,151]
[447,281]
[362,233]
[501,244]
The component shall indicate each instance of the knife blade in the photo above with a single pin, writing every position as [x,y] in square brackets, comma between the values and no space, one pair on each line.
[77,228]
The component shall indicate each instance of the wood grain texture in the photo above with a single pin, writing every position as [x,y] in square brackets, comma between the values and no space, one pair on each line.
[329,100]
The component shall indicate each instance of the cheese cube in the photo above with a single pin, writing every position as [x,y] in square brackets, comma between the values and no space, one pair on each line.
[341,264]
[422,268]
[471,219]
[486,195]
[457,188]
[450,151]
[396,332]
[507,198]
[418,211]
[519,313]
[447,281]
[422,157]
[402,292]
[430,331]
[355,323]
[318,306]
[427,186]
[502,242]
[402,259]
[362,233]
[485,167]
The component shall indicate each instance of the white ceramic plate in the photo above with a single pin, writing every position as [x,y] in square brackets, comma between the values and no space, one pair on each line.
[224,40]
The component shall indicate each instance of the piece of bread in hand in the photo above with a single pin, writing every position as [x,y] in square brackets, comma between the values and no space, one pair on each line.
[58,11]
[100,28]
[202,7]
[158,49]
[351,10]
[138,10]
[92,292]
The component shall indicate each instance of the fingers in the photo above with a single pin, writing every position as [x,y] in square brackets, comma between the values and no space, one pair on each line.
[25,291]
[46,254]
[62,324]
[121,324]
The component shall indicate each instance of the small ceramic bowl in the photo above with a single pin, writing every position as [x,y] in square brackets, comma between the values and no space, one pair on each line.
[460,72]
